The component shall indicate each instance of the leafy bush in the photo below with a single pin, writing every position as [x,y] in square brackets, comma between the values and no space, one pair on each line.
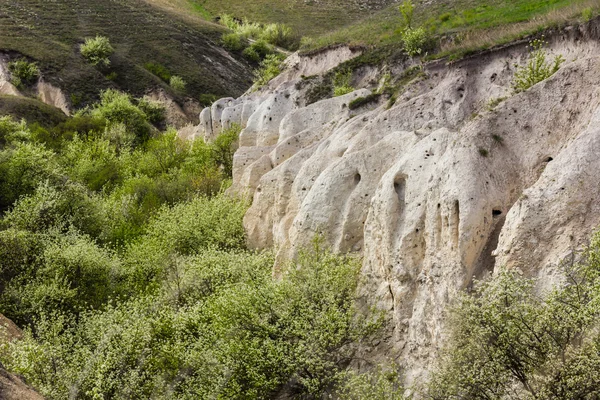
[207,99]
[274,34]
[342,83]
[378,384]
[233,42]
[270,67]
[117,108]
[225,146]
[407,9]
[218,326]
[538,68]
[278,35]
[23,73]
[97,50]
[155,111]
[258,51]
[506,341]
[23,167]
[177,83]
[159,70]
[228,21]
[414,40]
[361,101]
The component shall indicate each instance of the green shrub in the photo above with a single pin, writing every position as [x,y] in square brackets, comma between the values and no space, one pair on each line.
[117,108]
[23,168]
[228,21]
[587,14]
[258,51]
[97,50]
[378,384]
[93,162]
[538,68]
[277,35]
[177,83]
[219,326]
[207,99]
[507,341]
[159,70]
[23,73]
[414,41]
[361,101]
[155,111]
[12,131]
[49,209]
[233,42]
[342,83]
[224,147]
[270,67]
[407,10]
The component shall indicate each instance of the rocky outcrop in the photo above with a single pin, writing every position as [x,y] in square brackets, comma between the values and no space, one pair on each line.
[13,387]
[443,187]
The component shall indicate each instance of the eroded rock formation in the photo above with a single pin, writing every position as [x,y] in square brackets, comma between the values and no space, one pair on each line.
[441,188]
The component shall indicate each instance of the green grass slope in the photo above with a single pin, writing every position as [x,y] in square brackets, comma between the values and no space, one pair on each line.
[463,25]
[305,17]
[31,110]
[141,32]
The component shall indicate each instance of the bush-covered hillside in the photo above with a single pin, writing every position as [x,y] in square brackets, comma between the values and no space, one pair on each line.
[141,33]
[127,267]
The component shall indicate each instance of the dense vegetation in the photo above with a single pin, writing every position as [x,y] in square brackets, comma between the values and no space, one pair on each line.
[127,267]
[509,342]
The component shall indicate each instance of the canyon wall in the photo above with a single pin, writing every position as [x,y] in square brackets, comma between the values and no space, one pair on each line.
[458,177]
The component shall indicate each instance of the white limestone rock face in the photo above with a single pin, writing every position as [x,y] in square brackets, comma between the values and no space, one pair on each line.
[437,190]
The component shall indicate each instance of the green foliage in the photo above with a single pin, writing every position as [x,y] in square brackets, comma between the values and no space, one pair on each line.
[538,68]
[225,146]
[587,14]
[508,342]
[97,50]
[414,41]
[217,326]
[270,67]
[342,83]
[126,264]
[233,42]
[407,9]
[155,111]
[259,50]
[378,384]
[23,73]
[159,70]
[177,83]
[207,99]
[118,109]
[361,101]
[274,34]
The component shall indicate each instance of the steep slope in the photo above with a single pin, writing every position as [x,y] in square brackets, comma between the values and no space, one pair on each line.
[306,17]
[458,177]
[50,33]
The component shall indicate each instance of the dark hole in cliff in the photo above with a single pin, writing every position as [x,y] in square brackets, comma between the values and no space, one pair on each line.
[270,118]
[399,187]
[496,213]
[356,179]
[549,159]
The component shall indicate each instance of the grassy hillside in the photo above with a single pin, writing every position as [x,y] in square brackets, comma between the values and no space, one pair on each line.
[141,32]
[306,17]
[463,25]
